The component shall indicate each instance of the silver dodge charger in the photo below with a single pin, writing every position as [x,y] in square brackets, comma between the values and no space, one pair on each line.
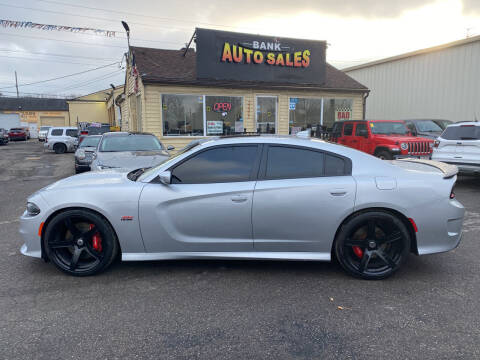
[275,198]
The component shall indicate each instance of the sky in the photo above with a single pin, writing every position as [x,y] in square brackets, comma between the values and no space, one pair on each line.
[356,32]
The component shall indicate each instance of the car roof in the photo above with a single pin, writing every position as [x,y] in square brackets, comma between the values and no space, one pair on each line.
[126,133]
[460,123]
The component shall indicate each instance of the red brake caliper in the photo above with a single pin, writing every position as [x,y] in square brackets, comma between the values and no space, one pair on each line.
[96,240]
[358,251]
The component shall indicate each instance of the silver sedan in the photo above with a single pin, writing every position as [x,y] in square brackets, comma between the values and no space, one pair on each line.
[276,198]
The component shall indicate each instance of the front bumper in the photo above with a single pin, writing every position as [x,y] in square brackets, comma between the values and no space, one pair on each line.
[424,157]
[29,226]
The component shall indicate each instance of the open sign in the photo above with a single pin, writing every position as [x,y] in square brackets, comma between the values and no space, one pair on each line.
[222,107]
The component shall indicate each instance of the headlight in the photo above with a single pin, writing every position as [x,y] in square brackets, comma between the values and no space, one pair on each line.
[32,209]
[404,146]
[81,154]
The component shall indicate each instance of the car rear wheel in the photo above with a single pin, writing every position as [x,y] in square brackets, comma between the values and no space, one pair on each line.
[372,245]
[384,155]
[80,242]
[59,148]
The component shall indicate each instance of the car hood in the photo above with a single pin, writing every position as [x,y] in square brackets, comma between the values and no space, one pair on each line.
[107,177]
[401,138]
[429,135]
[131,159]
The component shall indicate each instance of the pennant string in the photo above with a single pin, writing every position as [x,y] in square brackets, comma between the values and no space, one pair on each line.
[32,25]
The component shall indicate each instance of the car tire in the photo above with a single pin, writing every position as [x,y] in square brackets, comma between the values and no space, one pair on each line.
[372,245]
[80,242]
[384,155]
[59,148]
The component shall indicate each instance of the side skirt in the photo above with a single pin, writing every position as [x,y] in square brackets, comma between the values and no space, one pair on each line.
[252,255]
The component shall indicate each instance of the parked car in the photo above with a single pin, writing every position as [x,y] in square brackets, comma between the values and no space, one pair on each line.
[249,198]
[128,151]
[43,132]
[3,136]
[425,128]
[459,145]
[382,138]
[61,139]
[84,153]
[18,134]
[443,123]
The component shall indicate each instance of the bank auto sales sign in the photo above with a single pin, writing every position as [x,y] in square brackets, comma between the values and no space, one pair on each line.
[223,55]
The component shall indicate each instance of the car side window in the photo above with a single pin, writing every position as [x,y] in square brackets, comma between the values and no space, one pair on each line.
[360,129]
[335,166]
[72,132]
[57,132]
[347,129]
[217,165]
[285,162]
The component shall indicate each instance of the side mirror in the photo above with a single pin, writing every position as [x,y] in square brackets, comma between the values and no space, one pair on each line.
[165,177]
[170,147]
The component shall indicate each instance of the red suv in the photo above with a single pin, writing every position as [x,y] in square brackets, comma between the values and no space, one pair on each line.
[386,139]
[17,134]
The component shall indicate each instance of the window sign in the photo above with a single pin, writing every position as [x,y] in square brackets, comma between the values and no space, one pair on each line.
[335,109]
[222,114]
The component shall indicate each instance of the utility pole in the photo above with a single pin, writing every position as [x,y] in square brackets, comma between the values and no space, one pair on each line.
[16,82]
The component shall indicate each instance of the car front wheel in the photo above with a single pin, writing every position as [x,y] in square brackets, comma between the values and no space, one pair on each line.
[372,245]
[80,242]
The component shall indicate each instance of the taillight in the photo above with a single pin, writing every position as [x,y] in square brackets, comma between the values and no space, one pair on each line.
[452,193]
[436,143]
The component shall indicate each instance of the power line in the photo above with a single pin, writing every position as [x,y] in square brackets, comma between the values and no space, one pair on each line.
[66,41]
[62,77]
[138,14]
[59,55]
[91,81]
[47,60]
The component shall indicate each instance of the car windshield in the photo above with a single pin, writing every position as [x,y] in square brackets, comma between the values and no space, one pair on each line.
[130,142]
[89,141]
[462,132]
[443,123]
[427,126]
[388,128]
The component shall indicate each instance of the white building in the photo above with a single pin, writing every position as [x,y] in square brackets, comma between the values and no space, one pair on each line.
[442,82]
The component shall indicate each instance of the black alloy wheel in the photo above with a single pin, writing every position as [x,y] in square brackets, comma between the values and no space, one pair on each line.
[372,245]
[80,242]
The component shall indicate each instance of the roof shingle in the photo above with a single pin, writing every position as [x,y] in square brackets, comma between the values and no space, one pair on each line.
[171,67]
[32,104]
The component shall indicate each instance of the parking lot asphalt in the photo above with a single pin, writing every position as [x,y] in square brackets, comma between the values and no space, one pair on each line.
[229,309]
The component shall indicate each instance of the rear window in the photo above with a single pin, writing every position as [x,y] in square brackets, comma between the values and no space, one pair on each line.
[72,132]
[462,132]
[56,132]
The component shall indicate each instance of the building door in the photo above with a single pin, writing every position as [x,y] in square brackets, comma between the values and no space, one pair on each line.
[266,114]
[52,121]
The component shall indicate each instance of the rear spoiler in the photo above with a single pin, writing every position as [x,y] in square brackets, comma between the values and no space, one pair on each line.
[448,170]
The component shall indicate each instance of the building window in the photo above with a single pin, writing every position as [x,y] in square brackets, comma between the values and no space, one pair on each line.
[224,115]
[335,109]
[305,114]
[182,115]
[266,114]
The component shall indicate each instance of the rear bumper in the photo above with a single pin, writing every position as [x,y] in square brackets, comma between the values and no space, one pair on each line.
[441,231]
[464,168]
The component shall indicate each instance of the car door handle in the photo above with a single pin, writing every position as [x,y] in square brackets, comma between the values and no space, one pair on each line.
[338,192]
[239,198]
